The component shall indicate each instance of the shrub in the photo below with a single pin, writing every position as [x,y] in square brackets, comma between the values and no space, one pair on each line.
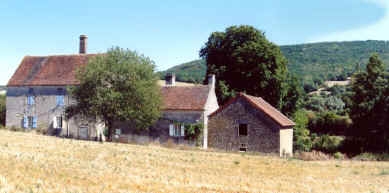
[339,155]
[372,157]
[328,144]
[301,139]
[329,123]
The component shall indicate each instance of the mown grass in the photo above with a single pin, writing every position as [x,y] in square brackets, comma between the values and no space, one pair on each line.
[36,163]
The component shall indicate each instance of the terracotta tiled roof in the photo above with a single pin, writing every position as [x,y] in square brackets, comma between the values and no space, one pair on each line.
[263,106]
[48,70]
[184,98]
[61,70]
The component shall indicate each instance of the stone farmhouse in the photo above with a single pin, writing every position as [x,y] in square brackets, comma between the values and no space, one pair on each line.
[248,123]
[37,98]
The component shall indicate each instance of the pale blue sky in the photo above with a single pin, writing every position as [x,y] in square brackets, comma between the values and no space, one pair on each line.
[171,32]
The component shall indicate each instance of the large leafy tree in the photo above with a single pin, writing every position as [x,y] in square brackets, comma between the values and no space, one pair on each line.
[370,106]
[243,60]
[120,85]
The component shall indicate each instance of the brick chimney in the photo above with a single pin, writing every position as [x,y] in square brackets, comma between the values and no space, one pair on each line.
[170,79]
[83,44]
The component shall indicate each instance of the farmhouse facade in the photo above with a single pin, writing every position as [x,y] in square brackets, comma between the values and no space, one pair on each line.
[248,123]
[37,98]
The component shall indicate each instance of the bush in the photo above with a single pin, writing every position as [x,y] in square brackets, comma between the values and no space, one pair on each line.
[372,157]
[301,139]
[329,123]
[339,155]
[328,144]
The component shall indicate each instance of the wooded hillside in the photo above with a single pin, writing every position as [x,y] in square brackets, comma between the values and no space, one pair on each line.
[313,63]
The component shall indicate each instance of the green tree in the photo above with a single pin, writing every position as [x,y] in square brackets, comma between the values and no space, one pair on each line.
[120,85]
[301,135]
[370,106]
[243,60]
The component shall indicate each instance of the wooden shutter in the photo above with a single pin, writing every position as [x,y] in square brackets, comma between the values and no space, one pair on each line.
[182,130]
[25,122]
[34,122]
[171,130]
[55,125]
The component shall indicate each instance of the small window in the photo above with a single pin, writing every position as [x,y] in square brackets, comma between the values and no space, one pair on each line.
[59,122]
[118,131]
[30,121]
[176,130]
[242,129]
[243,147]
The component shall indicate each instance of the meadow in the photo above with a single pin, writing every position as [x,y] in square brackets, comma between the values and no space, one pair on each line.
[36,163]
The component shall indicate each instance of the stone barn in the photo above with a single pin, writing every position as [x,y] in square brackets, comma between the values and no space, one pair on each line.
[248,123]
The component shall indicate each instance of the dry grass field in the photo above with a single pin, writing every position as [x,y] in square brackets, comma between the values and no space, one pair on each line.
[35,163]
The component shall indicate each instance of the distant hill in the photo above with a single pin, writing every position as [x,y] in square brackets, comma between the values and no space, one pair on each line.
[313,62]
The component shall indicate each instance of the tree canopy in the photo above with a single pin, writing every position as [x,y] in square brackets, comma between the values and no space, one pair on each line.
[243,60]
[370,106]
[120,85]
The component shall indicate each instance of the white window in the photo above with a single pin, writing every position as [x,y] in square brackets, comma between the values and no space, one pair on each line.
[57,122]
[30,122]
[118,131]
[176,130]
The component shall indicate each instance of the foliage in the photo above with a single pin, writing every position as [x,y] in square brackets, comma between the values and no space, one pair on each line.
[327,143]
[338,155]
[2,110]
[328,122]
[372,157]
[314,62]
[120,85]
[193,131]
[301,138]
[324,103]
[242,54]
[193,71]
[370,106]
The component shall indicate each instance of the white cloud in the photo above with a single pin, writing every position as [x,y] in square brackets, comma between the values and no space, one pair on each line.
[379,30]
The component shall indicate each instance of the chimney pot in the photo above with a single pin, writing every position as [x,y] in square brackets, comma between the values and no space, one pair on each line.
[83,44]
[170,79]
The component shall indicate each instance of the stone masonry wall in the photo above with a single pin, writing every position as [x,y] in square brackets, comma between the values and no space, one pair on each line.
[45,109]
[263,133]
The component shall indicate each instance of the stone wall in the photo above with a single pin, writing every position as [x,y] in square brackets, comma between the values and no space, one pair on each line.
[45,108]
[159,132]
[263,133]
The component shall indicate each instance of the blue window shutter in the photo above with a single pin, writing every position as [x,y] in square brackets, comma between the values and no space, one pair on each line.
[60,100]
[30,100]
[34,122]
[25,122]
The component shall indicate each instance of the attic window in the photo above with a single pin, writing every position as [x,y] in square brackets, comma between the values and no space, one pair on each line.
[242,129]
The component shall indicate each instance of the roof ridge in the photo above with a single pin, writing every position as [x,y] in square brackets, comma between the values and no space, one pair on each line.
[56,55]
[271,108]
